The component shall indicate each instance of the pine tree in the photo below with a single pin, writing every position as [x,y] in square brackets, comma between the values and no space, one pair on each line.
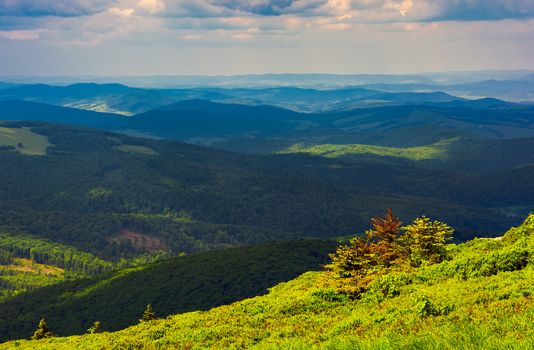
[95,328]
[385,229]
[42,331]
[385,234]
[148,315]
[354,259]
[425,240]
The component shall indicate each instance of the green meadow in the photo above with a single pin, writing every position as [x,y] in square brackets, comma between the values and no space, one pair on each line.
[24,141]
[435,151]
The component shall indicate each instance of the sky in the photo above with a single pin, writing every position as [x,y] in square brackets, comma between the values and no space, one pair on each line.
[225,37]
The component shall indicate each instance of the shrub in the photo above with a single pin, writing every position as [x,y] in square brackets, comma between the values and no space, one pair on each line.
[426,308]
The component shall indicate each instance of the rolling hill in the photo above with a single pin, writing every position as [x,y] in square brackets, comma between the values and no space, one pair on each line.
[32,111]
[470,300]
[413,120]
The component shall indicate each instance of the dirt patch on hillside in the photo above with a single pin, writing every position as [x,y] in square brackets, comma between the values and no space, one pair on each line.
[140,241]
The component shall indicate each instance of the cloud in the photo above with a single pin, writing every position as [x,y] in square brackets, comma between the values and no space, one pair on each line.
[475,10]
[31,34]
[121,12]
[152,6]
[59,8]
[213,21]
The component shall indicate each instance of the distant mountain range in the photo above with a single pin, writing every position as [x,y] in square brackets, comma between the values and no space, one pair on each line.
[261,128]
[313,80]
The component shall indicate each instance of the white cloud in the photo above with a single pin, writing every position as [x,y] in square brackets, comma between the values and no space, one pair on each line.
[30,34]
[121,12]
[151,6]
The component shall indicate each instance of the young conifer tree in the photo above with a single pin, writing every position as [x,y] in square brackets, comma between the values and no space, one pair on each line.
[95,328]
[42,331]
[148,315]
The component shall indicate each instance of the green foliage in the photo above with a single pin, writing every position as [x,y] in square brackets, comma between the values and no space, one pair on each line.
[99,192]
[336,151]
[86,192]
[44,251]
[148,314]
[385,246]
[22,275]
[193,282]
[95,328]
[424,308]
[425,240]
[355,259]
[6,257]
[42,331]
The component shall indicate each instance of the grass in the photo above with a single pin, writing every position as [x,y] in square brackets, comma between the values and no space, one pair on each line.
[136,149]
[336,151]
[481,298]
[24,141]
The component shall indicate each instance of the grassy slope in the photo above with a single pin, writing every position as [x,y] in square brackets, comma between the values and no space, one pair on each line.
[194,282]
[24,141]
[480,299]
[458,154]
[336,151]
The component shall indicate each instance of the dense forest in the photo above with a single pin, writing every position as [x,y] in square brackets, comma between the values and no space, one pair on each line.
[194,282]
[119,196]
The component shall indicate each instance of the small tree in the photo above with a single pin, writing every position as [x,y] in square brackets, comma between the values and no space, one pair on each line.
[379,249]
[42,331]
[385,233]
[386,228]
[95,328]
[148,315]
[388,244]
[354,259]
[425,240]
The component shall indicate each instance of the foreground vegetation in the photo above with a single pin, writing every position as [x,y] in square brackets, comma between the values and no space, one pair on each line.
[479,297]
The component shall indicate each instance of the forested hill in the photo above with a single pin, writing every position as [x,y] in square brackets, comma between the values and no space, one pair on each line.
[118,189]
[196,282]
[115,195]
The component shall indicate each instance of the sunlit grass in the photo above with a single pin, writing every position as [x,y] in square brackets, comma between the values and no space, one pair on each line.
[436,151]
[24,141]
